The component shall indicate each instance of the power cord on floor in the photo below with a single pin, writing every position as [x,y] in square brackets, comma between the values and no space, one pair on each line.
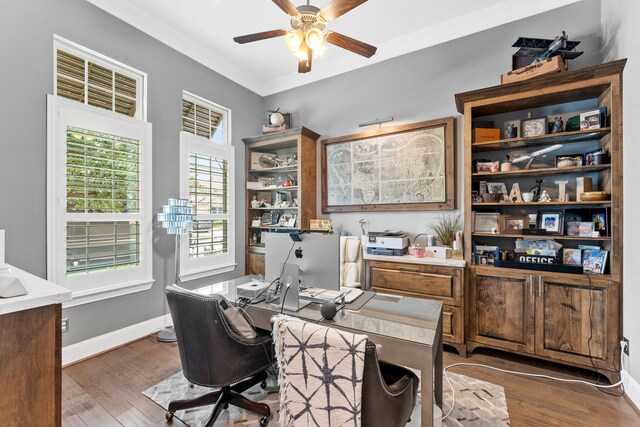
[524,374]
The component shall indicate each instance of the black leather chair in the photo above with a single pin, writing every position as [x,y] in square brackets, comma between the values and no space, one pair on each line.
[213,355]
[388,391]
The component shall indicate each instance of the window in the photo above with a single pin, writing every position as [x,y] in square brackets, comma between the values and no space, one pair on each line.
[92,79]
[98,194]
[206,180]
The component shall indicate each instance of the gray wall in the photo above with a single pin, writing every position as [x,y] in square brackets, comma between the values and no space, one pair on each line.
[421,86]
[621,35]
[26,31]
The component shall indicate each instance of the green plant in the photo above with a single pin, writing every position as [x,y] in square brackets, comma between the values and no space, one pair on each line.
[445,229]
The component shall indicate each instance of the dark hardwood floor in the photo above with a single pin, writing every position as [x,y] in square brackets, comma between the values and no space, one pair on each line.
[106,390]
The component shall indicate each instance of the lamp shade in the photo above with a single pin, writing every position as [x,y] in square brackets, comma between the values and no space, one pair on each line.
[176,216]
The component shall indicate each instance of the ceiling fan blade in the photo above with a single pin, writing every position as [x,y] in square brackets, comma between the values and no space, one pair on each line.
[304,65]
[338,8]
[287,6]
[353,45]
[259,36]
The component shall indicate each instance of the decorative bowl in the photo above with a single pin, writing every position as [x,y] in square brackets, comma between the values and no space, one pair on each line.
[595,196]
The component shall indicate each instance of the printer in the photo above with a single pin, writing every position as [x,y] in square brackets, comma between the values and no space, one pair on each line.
[386,243]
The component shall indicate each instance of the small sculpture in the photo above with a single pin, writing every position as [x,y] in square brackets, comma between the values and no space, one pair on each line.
[511,131]
[558,125]
[562,190]
[536,190]
[544,196]
[515,195]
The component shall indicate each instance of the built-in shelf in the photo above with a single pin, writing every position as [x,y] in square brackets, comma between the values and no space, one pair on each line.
[291,187]
[281,169]
[491,204]
[274,227]
[541,172]
[542,140]
[540,236]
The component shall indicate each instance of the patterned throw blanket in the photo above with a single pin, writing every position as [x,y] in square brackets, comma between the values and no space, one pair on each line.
[321,372]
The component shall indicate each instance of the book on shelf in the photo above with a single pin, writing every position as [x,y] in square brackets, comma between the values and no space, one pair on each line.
[594,261]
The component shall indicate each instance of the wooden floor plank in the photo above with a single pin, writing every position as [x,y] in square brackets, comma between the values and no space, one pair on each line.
[107,389]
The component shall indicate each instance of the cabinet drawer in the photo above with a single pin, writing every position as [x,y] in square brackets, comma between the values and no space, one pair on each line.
[444,286]
[452,326]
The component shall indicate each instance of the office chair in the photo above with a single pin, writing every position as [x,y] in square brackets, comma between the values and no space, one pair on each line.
[213,354]
[306,354]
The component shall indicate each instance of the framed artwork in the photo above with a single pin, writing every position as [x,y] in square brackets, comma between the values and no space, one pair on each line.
[534,127]
[486,222]
[409,167]
[551,221]
[511,129]
[513,224]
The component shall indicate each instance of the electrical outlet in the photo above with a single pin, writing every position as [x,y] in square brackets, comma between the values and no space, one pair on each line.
[626,345]
[65,325]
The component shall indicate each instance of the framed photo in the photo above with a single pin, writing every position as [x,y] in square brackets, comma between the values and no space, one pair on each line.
[256,222]
[511,129]
[487,166]
[513,224]
[402,168]
[498,188]
[292,221]
[590,120]
[486,254]
[534,127]
[284,219]
[580,229]
[486,222]
[594,261]
[551,221]
[600,220]
[533,220]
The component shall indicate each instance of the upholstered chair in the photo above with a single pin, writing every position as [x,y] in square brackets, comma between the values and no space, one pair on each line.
[327,374]
[350,261]
[218,348]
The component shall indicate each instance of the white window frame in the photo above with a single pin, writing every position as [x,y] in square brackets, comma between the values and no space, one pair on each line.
[106,284]
[104,61]
[196,268]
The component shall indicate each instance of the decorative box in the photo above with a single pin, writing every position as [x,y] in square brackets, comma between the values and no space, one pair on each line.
[485,134]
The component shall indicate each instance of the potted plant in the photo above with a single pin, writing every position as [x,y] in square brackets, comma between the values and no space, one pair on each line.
[445,229]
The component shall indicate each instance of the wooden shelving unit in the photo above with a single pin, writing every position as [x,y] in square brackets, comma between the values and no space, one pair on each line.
[525,310]
[301,142]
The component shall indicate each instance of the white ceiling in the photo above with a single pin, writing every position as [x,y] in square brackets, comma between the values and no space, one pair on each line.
[204,31]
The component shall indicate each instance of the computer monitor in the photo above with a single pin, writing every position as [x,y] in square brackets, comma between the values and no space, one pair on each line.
[316,255]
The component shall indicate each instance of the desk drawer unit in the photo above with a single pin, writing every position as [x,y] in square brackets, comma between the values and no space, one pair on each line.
[440,283]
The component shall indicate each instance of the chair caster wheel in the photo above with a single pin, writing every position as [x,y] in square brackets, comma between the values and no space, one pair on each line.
[168,416]
[263,384]
[264,421]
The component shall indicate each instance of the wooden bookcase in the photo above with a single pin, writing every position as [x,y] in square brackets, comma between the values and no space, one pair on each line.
[293,178]
[569,318]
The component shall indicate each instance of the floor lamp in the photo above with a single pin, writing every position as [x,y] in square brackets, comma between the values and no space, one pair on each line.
[177,218]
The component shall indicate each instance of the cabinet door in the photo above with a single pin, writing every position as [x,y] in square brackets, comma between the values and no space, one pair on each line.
[576,317]
[501,309]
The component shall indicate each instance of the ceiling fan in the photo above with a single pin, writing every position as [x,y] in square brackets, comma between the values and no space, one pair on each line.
[307,33]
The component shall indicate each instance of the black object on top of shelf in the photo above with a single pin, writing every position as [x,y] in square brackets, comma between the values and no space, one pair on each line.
[556,268]
[534,231]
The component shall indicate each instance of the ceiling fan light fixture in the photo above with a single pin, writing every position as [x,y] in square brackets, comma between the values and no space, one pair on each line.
[314,38]
[319,51]
[303,52]
[293,39]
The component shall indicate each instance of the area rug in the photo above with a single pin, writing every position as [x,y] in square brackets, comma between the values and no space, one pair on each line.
[478,403]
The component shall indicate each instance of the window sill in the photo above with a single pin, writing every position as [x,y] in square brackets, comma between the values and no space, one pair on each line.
[106,292]
[206,272]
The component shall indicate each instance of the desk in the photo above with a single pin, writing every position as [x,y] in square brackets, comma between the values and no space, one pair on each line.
[409,330]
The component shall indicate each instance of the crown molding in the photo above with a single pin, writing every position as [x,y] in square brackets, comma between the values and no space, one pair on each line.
[480,20]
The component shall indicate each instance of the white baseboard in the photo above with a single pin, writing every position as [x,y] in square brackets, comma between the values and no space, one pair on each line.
[631,388]
[84,349]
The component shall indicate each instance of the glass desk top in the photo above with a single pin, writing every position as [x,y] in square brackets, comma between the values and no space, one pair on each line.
[404,318]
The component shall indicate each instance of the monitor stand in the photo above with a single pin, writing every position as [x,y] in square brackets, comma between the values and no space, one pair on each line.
[291,288]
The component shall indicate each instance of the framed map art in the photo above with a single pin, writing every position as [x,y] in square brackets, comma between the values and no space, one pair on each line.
[408,167]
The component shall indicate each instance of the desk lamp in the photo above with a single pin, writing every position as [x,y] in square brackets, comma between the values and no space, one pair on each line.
[177,218]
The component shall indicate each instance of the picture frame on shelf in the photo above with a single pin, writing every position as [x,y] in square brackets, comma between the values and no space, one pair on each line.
[486,222]
[486,255]
[551,221]
[580,229]
[256,222]
[534,127]
[513,224]
[498,188]
[533,220]
[293,219]
[590,120]
[572,256]
[600,221]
